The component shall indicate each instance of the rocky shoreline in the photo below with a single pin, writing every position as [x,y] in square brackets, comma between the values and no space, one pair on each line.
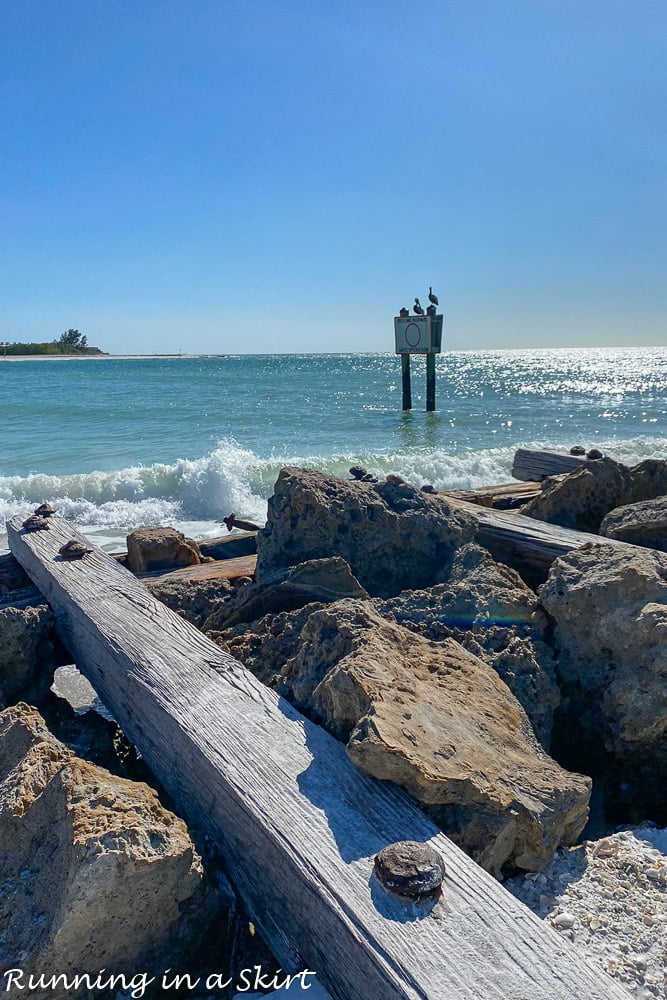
[375,610]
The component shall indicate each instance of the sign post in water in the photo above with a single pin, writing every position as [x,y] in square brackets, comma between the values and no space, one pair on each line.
[420,333]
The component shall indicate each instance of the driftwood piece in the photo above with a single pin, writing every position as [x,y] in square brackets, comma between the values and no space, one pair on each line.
[507,496]
[221,569]
[532,465]
[298,825]
[528,545]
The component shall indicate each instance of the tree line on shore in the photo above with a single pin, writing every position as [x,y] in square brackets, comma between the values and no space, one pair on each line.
[70,342]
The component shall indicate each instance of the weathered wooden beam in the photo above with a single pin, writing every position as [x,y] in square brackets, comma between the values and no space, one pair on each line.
[297,823]
[528,545]
[221,569]
[506,496]
[535,465]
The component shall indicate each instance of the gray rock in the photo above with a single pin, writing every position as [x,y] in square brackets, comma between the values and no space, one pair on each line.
[29,653]
[581,498]
[488,608]
[610,609]
[392,535]
[317,580]
[643,523]
[194,599]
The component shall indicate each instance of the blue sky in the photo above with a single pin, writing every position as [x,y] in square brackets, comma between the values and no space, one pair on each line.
[255,176]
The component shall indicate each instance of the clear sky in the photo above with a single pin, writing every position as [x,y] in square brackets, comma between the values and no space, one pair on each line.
[283,175]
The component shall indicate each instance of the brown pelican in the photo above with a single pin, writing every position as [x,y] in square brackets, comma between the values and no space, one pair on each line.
[418,309]
[431,297]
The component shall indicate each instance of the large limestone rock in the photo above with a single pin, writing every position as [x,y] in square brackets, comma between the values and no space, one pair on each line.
[94,872]
[439,722]
[488,608]
[610,610]
[582,498]
[649,480]
[29,653]
[150,549]
[642,523]
[392,535]
[12,576]
[317,580]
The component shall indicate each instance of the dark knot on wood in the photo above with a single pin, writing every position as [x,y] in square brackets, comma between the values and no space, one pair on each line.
[410,869]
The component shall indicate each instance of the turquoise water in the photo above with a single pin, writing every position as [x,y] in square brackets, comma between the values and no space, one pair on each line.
[118,443]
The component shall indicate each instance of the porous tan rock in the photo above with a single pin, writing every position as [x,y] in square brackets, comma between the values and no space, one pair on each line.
[610,609]
[316,580]
[643,523]
[440,723]
[193,599]
[93,870]
[392,535]
[29,653]
[150,549]
[582,498]
[488,608]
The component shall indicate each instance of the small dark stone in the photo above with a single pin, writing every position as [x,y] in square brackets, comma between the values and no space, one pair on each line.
[427,488]
[45,510]
[410,869]
[594,453]
[74,549]
[36,523]
[577,450]
[393,478]
[358,472]
[369,478]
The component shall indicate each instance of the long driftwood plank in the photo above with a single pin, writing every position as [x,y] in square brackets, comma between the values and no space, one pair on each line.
[535,465]
[297,823]
[528,545]
[507,496]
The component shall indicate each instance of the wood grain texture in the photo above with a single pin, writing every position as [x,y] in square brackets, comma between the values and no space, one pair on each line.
[529,464]
[298,825]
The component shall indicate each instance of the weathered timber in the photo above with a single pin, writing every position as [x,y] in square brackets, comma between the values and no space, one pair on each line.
[507,496]
[298,825]
[531,465]
[528,545]
[221,569]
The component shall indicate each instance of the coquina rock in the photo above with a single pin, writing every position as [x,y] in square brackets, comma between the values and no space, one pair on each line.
[488,608]
[195,600]
[642,523]
[440,723]
[94,872]
[392,535]
[150,549]
[610,609]
[582,498]
[29,653]
[317,580]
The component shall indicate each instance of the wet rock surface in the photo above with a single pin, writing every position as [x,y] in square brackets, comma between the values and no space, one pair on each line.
[392,535]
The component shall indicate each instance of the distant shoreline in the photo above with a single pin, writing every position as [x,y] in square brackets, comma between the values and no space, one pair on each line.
[99,357]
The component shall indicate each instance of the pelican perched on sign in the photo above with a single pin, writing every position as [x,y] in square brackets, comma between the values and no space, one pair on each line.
[418,309]
[431,297]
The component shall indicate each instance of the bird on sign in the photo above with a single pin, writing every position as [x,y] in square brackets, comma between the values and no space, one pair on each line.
[418,309]
[404,312]
[431,297]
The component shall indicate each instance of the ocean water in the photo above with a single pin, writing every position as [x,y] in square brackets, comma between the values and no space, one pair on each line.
[116,444]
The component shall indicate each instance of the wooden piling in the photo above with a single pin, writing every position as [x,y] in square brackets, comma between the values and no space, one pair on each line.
[430,382]
[407,389]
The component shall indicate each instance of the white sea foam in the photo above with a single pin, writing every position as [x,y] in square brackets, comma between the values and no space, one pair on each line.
[195,494]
